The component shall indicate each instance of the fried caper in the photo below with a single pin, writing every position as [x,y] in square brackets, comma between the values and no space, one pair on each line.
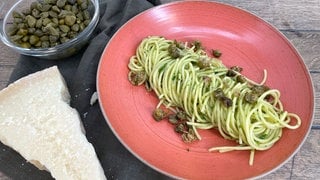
[70,20]
[173,119]
[31,21]
[241,79]
[45,44]
[219,94]
[137,78]
[159,114]
[75,27]
[216,53]
[204,62]
[44,14]
[34,39]
[46,21]
[55,9]
[35,13]
[61,3]
[22,32]
[64,28]
[16,14]
[251,97]
[25,45]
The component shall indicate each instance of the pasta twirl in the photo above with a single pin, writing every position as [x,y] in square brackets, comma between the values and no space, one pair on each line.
[185,78]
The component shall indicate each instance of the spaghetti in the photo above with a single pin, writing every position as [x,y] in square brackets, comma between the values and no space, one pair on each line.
[186,79]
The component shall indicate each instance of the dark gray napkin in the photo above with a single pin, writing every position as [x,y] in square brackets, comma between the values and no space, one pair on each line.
[79,72]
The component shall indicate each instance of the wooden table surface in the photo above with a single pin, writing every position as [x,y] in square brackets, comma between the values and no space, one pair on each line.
[299,21]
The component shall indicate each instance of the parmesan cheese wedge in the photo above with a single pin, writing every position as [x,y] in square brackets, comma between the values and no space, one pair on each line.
[37,121]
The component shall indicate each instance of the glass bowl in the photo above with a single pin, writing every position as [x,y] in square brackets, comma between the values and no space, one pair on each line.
[62,50]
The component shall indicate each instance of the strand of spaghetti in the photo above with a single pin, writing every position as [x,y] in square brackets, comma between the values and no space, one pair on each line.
[263,81]
[229,148]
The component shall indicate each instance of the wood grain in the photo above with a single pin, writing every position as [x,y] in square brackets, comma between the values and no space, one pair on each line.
[316,84]
[8,60]
[306,162]
[5,72]
[308,44]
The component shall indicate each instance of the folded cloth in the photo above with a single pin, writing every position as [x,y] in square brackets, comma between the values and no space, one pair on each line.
[79,72]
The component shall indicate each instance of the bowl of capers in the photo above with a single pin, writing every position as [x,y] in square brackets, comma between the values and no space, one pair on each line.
[50,29]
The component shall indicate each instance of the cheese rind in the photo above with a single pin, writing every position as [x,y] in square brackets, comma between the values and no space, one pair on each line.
[37,121]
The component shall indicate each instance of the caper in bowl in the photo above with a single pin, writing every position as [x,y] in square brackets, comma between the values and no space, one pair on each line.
[50,29]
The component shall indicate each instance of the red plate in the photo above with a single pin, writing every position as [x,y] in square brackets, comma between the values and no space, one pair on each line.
[244,40]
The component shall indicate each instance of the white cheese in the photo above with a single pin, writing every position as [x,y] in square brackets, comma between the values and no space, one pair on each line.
[37,121]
